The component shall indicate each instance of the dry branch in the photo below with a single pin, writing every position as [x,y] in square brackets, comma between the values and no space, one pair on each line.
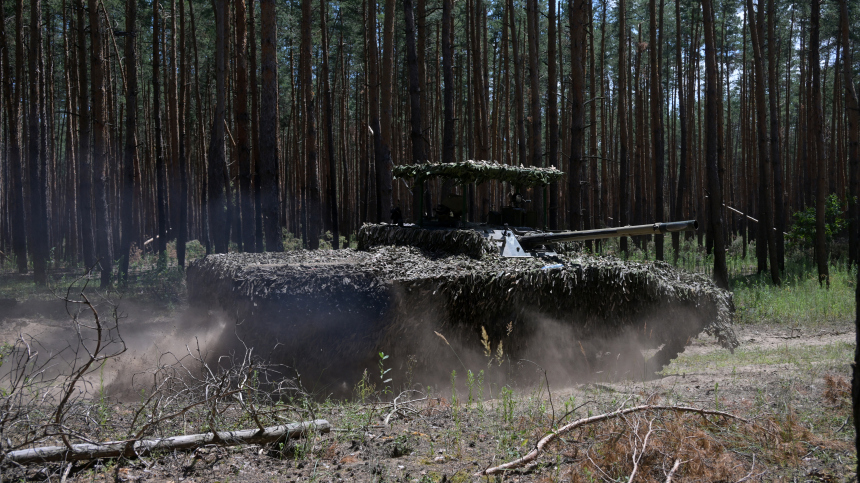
[539,447]
[113,449]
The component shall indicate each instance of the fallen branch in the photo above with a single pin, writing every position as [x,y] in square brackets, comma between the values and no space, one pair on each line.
[533,454]
[674,469]
[113,449]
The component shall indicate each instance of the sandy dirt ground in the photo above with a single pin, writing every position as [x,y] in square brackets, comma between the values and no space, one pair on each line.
[777,371]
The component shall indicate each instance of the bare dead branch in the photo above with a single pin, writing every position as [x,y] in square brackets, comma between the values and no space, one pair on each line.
[533,454]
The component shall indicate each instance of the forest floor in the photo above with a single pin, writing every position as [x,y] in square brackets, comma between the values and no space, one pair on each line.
[790,382]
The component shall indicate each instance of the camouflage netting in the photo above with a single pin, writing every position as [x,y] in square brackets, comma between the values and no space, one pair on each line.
[339,308]
[465,242]
[479,172]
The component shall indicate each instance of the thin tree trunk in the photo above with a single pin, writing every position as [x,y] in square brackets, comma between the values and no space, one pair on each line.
[415,101]
[448,79]
[623,181]
[715,199]
[312,207]
[657,125]
[130,148]
[36,153]
[852,111]
[15,171]
[383,154]
[259,242]
[552,109]
[532,22]
[775,155]
[765,226]
[329,131]
[184,103]
[519,96]
[577,14]
[817,130]
[85,168]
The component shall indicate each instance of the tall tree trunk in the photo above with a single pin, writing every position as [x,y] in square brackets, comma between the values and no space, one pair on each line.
[775,156]
[817,130]
[219,227]
[679,211]
[100,145]
[383,158]
[623,181]
[85,168]
[765,226]
[160,168]
[269,183]
[715,199]
[259,242]
[552,110]
[184,104]
[16,174]
[448,80]
[36,152]
[130,148]
[312,171]
[329,133]
[243,126]
[577,14]
[415,134]
[519,96]
[532,22]
[657,124]
[852,111]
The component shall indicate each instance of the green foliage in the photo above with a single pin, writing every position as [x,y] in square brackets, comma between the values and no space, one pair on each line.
[383,372]
[802,234]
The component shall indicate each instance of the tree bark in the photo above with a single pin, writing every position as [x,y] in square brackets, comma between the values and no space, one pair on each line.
[623,181]
[715,198]
[15,170]
[817,130]
[329,131]
[36,153]
[448,81]
[312,207]
[775,155]
[130,149]
[415,134]
[577,14]
[219,227]
[657,125]
[384,157]
[552,110]
[100,146]
[269,183]
[519,96]
[184,105]
[243,125]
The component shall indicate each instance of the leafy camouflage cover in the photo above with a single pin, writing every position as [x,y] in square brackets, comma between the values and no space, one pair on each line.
[480,171]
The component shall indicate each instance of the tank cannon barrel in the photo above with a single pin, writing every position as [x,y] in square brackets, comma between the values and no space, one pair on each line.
[535,239]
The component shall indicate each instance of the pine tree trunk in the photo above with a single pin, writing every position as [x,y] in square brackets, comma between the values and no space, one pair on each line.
[14,161]
[715,198]
[415,103]
[259,242]
[775,155]
[36,153]
[219,227]
[623,181]
[552,110]
[577,14]
[448,81]
[243,125]
[103,243]
[329,131]
[817,130]
[130,148]
[657,125]
[519,96]
[532,22]
[269,183]
[383,153]
[765,226]
[312,208]
[184,103]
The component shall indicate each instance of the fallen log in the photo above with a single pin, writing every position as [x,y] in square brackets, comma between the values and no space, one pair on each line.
[131,448]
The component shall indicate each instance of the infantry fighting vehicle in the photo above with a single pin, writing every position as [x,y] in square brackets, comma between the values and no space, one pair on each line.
[444,293]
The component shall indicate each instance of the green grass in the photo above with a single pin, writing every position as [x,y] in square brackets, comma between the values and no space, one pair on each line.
[836,353]
[799,302]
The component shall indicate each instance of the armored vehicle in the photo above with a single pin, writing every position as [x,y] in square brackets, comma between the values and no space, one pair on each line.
[447,293]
